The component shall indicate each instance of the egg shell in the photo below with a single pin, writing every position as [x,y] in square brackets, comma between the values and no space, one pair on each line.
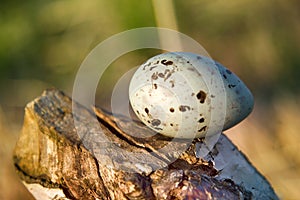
[174,94]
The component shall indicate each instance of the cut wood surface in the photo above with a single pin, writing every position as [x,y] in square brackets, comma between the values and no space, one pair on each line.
[92,154]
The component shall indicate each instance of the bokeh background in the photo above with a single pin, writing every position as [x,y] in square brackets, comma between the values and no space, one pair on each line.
[42,44]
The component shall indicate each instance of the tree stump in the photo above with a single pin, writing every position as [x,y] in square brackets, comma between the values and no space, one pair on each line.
[55,162]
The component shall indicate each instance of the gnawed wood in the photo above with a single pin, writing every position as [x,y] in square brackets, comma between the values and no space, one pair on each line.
[105,159]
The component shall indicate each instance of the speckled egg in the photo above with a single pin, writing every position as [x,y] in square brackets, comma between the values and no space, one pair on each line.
[175,94]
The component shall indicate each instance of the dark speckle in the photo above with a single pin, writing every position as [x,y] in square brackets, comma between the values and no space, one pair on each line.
[167,76]
[172,110]
[161,75]
[167,71]
[172,83]
[154,76]
[152,68]
[224,76]
[228,71]
[146,65]
[155,86]
[183,108]
[147,110]
[201,96]
[202,129]
[231,85]
[165,62]
[201,120]
[155,122]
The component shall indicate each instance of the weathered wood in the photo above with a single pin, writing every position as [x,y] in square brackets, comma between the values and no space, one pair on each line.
[96,159]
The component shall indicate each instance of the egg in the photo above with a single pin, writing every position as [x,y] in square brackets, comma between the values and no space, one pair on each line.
[185,95]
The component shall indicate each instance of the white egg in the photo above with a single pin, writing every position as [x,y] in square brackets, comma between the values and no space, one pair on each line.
[172,93]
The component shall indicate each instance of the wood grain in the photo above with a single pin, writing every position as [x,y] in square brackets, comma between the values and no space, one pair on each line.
[100,157]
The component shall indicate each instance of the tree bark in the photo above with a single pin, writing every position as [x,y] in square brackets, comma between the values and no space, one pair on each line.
[92,154]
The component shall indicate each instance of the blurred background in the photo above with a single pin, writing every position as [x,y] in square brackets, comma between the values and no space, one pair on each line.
[42,44]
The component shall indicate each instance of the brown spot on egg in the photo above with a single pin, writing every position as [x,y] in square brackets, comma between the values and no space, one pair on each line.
[167,76]
[161,75]
[231,85]
[228,71]
[202,129]
[146,65]
[152,68]
[201,96]
[172,83]
[184,108]
[165,62]
[155,122]
[147,110]
[172,109]
[167,71]
[201,120]
[155,86]
[154,76]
